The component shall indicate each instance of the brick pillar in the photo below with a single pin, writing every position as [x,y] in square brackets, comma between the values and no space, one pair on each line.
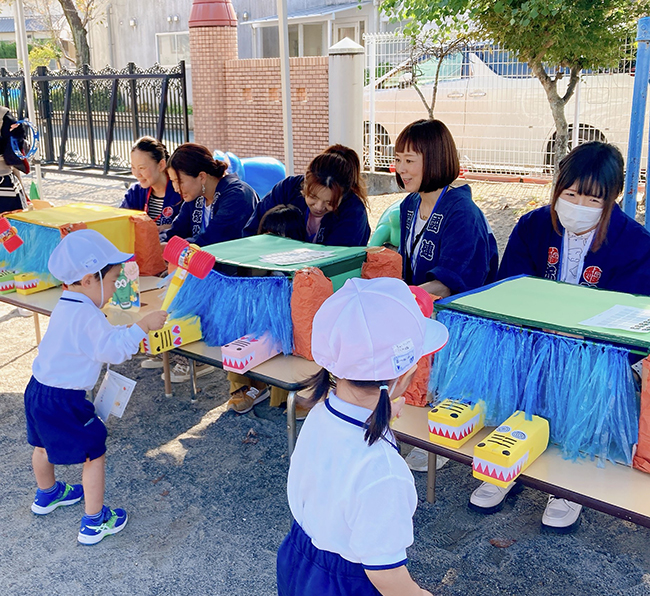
[213,41]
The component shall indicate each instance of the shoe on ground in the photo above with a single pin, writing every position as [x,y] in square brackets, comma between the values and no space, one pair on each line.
[561,515]
[490,498]
[243,400]
[181,372]
[113,521]
[153,362]
[23,312]
[68,494]
[418,460]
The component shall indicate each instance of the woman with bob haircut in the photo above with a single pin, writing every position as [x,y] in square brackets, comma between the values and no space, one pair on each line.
[331,196]
[216,205]
[582,237]
[446,243]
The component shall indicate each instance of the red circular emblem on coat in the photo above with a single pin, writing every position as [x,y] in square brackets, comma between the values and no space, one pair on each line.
[592,274]
[167,212]
[553,256]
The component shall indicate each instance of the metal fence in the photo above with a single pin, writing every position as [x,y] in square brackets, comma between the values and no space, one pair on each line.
[89,120]
[496,109]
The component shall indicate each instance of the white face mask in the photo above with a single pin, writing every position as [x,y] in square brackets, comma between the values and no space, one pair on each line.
[577,218]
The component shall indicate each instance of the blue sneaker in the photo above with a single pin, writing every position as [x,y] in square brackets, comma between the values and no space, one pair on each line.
[46,502]
[92,531]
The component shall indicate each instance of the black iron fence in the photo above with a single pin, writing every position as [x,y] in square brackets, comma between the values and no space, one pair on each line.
[89,120]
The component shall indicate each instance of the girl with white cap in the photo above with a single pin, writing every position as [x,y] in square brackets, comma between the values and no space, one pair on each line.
[351,494]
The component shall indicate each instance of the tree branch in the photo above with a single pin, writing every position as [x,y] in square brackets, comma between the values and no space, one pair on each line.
[573,81]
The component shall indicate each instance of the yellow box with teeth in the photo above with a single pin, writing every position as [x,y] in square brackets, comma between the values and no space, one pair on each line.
[509,449]
[174,334]
[452,423]
[30,283]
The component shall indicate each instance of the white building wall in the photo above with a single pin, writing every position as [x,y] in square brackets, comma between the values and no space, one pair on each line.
[125,30]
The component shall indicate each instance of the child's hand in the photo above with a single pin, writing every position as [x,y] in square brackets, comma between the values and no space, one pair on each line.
[153,321]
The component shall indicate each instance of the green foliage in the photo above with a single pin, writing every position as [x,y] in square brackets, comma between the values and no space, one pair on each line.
[575,34]
[42,55]
[8,49]
[380,70]
[571,33]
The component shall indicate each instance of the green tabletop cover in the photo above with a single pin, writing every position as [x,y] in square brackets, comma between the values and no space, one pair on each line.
[546,304]
[246,252]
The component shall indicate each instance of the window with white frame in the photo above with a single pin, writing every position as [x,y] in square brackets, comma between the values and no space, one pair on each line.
[353,30]
[173,47]
[305,39]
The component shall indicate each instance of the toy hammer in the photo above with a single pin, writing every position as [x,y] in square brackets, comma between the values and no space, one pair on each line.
[9,237]
[190,259]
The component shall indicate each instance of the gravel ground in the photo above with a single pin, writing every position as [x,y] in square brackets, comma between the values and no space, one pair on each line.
[205,491]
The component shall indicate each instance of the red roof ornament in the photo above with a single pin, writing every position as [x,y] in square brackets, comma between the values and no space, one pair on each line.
[212,13]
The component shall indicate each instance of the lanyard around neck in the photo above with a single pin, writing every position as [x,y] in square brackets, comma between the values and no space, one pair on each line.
[349,419]
[416,238]
[146,205]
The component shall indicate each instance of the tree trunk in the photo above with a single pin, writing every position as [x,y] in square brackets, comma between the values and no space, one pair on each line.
[557,104]
[424,100]
[434,91]
[79,34]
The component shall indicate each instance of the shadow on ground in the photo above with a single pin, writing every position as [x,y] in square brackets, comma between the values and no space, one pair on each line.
[205,492]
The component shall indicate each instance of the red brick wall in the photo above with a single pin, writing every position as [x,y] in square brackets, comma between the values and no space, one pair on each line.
[238,103]
[210,48]
[255,108]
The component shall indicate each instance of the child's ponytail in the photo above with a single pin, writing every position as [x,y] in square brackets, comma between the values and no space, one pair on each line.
[379,420]
[319,385]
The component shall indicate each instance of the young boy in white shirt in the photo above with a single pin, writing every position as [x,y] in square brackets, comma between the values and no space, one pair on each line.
[61,422]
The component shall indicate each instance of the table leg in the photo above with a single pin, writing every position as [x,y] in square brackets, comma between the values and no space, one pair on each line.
[193,380]
[37,328]
[167,375]
[431,477]
[291,420]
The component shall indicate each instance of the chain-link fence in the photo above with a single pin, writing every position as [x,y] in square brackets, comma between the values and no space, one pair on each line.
[496,109]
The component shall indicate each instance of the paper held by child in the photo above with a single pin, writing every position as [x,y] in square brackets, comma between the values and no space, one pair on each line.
[627,318]
[299,255]
[113,395]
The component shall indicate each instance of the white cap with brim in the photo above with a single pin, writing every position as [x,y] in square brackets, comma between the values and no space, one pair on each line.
[83,252]
[373,330]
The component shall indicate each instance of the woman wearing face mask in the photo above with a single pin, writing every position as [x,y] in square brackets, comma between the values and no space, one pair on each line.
[582,237]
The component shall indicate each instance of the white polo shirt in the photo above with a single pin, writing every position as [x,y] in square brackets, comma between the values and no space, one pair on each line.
[79,339]
[350,498]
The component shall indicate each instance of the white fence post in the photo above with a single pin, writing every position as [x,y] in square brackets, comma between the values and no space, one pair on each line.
[371,45]
[346,60]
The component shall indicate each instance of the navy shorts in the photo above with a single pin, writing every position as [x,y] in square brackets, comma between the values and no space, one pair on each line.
[304,570]
[63,422]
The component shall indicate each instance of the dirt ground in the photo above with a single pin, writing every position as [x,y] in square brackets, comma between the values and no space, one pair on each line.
[205,492]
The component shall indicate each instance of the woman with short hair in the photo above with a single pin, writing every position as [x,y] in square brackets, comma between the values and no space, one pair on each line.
[446,243]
